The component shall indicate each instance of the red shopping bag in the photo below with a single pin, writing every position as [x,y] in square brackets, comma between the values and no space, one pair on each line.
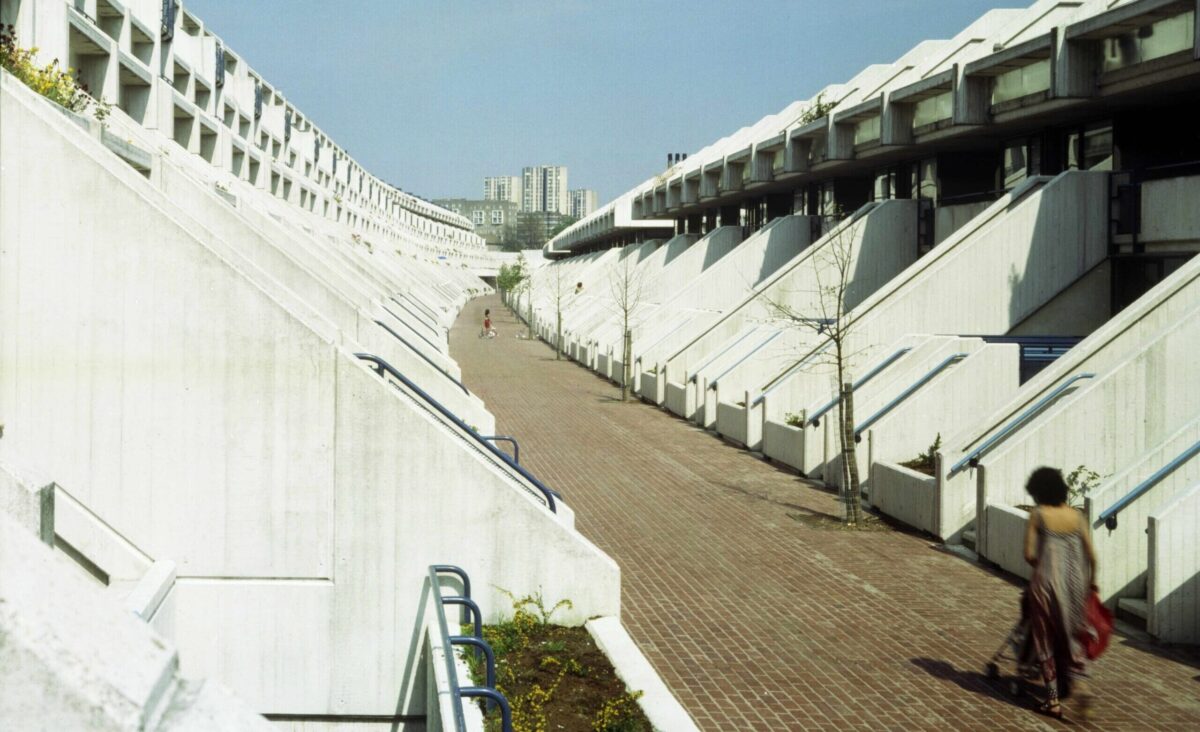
[1097,627]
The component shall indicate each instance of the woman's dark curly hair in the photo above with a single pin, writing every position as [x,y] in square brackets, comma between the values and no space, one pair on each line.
[1047,487]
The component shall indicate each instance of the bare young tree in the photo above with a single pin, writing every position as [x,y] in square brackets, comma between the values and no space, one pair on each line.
[827,316]
[626,283]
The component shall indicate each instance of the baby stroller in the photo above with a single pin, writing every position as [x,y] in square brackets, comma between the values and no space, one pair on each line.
[1016,649]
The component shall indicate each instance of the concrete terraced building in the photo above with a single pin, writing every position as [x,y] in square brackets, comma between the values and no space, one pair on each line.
[1017,209]
[224,360]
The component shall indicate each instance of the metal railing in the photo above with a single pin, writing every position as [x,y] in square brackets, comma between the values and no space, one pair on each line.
[925,379]
[427,359]
[458,693]
[972,458]
[511,440]
[779,380]
[722,352]
[815,420]
[713,385]
[382,367]
[1109,517]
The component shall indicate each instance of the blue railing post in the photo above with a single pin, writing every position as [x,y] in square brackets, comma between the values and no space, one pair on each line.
[494,696]
[462,576]
[479,644]
[505,438]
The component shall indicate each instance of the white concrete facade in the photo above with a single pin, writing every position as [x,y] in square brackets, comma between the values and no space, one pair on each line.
[1008,199]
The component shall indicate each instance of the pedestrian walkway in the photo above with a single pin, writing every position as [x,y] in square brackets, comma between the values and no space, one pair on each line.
[754,617]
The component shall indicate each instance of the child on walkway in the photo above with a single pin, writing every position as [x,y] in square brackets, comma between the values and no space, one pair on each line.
[488,331]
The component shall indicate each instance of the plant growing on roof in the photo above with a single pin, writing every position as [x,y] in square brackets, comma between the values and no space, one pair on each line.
[818,109]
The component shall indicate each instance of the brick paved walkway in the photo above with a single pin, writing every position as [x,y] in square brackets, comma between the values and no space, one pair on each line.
[755,620]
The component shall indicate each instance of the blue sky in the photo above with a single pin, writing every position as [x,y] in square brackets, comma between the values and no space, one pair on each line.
[432,95]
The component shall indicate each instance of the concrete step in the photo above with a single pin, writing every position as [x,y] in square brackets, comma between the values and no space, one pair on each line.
[1133,610]
[968,539]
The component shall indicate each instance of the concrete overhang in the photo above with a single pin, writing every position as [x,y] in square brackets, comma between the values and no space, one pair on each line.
[872,107]
[95,41]
[932,86]
[135,68]
[1127,18]
[739,156]
[811,130]
[1020,55]
[771,144]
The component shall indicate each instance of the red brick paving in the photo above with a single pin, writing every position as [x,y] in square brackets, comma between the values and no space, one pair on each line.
[755,620]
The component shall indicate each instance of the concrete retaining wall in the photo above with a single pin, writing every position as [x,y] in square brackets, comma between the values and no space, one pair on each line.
[1174,587]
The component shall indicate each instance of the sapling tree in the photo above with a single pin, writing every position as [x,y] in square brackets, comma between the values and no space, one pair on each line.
[626,284]
[826,314]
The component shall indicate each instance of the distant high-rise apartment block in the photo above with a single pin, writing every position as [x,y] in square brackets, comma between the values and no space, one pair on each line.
[583,202]
[544,188]
[502,188]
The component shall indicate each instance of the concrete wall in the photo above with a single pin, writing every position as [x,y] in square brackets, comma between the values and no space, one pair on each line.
[1128,333]
[195,417]
[1174,586]
[902,493]
[72,658]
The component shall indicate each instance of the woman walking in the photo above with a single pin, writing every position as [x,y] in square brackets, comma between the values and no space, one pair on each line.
[1058,544]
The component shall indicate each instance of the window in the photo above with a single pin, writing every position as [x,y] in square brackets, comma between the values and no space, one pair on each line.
[1167,36]
[1021,82]
[477,216]
[933,109]
[866,130]
[1093,150]
[497,216]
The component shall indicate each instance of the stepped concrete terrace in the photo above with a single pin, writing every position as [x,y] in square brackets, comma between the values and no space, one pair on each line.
[755,618]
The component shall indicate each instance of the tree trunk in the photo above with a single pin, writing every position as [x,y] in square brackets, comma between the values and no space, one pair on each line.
[558,336]
[850,485]
[529,314]
[625,365]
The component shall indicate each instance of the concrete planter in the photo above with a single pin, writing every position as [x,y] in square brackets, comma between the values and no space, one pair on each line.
[784,443]
[904,494]
[1005,539]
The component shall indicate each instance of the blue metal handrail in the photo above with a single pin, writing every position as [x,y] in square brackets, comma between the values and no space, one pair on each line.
[495,696]
[479,645]
[722,352]
[457,693]
[929,376]
[382,366]
[972,458]
[417,333]
[740,361]
[778,380]
[428,360]
[815,420]
[460,722]
[505,438]
[1109,517]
